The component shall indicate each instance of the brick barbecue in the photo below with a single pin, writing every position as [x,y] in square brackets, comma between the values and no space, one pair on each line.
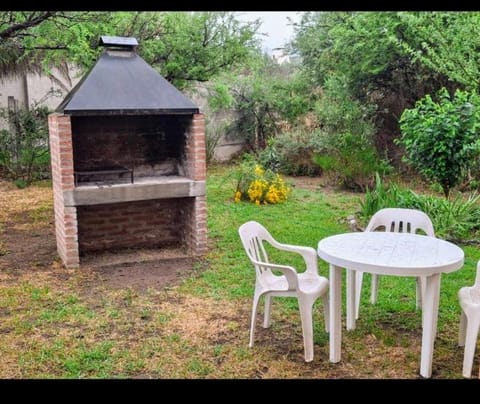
[128,161]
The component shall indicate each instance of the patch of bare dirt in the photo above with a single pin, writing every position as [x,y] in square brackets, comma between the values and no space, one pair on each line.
[27,237]
[24,248]
[310,183]
[143,275]
[322,183]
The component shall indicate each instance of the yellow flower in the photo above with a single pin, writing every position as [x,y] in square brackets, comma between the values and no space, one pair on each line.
[265,187]
[238,196]
[259,170]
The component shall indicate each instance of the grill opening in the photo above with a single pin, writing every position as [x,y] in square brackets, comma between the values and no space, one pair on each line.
[127,149]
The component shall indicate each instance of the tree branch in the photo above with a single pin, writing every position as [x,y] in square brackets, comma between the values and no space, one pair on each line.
[30,22]
[57,47]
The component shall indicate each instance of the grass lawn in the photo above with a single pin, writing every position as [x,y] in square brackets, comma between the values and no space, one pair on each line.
[59,323]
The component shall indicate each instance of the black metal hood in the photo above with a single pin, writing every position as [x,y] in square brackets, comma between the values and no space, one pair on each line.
[121,82]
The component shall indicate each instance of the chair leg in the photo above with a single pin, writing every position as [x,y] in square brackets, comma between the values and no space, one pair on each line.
[305,306]
[374,293]
[470,342]
[268,309]
[420,292]
[326,311]
[358,292]
[462,332]
[256,298]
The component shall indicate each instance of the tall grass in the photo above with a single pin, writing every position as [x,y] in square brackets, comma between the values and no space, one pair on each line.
[457,218]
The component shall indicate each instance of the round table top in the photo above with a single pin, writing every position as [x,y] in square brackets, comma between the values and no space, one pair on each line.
[391,253]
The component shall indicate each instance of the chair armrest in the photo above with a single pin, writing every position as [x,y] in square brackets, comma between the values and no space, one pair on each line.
[308,253]
[289,272]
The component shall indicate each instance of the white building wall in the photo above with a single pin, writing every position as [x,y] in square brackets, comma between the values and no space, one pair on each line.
[37,89]
[49,91]
[229,144]
[10,87]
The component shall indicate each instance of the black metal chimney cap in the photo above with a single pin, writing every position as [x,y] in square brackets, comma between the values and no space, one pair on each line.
[118,41]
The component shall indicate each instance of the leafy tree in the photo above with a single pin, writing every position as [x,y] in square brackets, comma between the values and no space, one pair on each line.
[367,49]
[191,46]
[441,137]
[267,97]
[348,150]
[363,47]
[446,42]
[183,46]
[36,40]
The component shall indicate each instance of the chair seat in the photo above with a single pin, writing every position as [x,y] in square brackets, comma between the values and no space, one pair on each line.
[307,284]
[312,285]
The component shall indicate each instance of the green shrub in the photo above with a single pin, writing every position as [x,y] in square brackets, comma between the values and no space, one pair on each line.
[457,218]
[351,159]
[442,138]
[378,197]
[338,112]
[24,149]
[292,153]
[348,151]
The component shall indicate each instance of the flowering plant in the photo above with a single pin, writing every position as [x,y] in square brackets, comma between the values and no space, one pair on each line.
[260,186]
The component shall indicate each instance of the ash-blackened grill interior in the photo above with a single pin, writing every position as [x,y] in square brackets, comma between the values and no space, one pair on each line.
[128,149]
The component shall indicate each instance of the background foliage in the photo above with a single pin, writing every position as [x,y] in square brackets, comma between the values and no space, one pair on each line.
[24,148]
[441,137]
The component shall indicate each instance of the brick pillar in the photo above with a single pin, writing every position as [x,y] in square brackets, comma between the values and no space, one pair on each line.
[195,151]
[196,226]
[66,231]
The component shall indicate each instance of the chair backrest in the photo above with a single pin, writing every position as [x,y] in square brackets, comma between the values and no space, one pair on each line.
[252,235]
[401,220]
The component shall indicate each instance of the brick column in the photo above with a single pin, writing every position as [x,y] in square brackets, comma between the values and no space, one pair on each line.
[60,131]
[195,151]
[196,226]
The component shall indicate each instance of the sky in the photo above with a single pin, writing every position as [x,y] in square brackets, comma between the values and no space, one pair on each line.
[275,25]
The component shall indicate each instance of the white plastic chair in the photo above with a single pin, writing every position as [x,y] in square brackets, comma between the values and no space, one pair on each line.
[399,220]
[306,286]
[469,298]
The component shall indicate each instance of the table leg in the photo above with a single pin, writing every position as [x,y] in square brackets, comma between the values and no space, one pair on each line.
[335,313]
[429,322]
[351,288]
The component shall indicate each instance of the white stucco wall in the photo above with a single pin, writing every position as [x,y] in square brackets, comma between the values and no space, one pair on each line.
[42,89]
[229,144]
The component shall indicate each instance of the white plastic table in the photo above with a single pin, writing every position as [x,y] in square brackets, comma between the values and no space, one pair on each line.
[388,253]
